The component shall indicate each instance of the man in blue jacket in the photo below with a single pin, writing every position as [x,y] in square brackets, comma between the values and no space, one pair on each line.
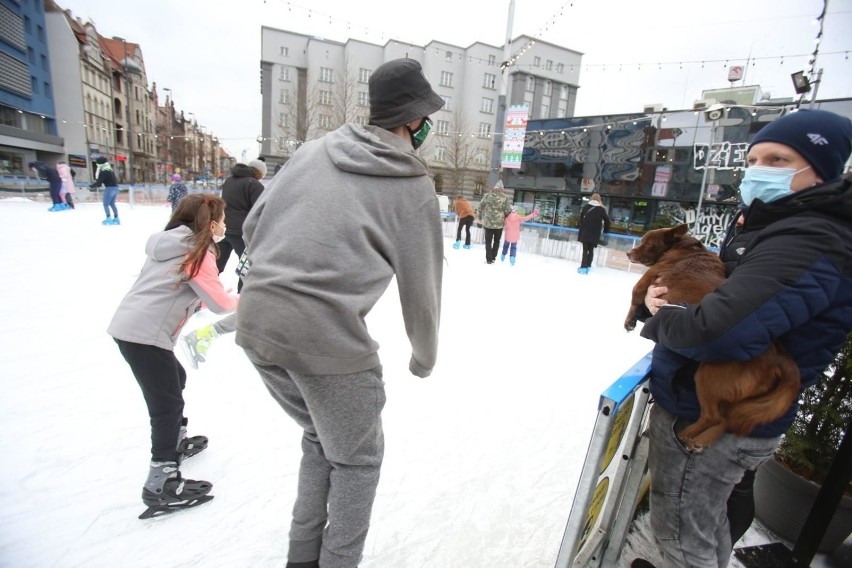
[791,282]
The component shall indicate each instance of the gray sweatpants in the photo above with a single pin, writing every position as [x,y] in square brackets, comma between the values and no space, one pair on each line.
[342,450]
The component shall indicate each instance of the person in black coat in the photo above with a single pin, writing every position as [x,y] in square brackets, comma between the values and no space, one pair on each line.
[594,221]
[240,192]
[50,174]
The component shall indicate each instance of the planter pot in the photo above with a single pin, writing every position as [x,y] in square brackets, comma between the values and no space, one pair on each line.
[783,501]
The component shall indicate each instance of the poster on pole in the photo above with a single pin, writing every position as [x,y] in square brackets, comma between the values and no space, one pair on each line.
[514,130]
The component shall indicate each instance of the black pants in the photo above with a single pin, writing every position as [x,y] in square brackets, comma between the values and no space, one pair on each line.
[230,243]
[588,255]
[492,243]
[162,379]
[465,222]
[741,506]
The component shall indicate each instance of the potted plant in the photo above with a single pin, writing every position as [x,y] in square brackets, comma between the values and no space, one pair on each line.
[786,486]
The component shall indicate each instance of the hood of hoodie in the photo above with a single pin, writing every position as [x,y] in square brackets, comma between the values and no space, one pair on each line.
[167,245]
[373,151]
[104,167]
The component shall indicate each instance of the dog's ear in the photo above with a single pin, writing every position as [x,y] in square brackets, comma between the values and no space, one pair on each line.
[675,233]
[681,229]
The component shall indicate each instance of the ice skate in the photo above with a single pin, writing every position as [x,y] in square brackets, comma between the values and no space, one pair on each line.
[196,343]
[166,491]
[456,245]
[188,446]
[107,221]
[502,258]
[512,260]
[466,247]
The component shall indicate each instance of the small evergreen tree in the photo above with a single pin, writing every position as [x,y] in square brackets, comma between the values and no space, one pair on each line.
[825,412]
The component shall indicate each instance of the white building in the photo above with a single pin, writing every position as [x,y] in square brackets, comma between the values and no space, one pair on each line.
[312,85]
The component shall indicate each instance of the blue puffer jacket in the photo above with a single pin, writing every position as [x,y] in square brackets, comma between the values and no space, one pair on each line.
[793,283]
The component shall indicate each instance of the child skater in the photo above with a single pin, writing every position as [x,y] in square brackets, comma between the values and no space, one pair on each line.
[179,273]
[512,230]
[68,189]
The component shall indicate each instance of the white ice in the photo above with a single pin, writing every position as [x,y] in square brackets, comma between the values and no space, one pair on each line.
[482,458]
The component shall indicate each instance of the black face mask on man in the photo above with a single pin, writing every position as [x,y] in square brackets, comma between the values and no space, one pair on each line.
[419,136]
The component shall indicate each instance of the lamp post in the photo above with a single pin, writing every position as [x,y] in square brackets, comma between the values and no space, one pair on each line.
[500,119]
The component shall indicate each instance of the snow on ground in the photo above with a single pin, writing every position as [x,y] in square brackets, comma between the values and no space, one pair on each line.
[481,461]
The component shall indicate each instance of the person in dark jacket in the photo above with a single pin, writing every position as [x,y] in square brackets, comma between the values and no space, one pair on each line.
[240,192]
[106,178]
[791,282]
[594,221]
[50,174]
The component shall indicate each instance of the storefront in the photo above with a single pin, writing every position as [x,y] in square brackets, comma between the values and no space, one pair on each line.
[649,170]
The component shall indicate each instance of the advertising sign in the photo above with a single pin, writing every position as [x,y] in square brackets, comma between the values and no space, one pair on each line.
[515,130]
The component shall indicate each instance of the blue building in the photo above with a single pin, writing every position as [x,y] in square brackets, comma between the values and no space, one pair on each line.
[27,112]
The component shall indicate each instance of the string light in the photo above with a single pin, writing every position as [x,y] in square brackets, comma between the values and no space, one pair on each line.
[820,20]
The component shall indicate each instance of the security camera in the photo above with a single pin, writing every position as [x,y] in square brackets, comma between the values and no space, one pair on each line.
[714,112]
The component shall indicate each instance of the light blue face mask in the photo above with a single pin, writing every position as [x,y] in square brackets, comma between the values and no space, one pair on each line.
[767,184]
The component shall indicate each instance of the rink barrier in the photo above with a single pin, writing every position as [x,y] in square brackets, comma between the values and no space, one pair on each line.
[613,476]
[559,242]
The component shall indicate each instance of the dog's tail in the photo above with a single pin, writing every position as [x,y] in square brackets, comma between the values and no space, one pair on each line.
[773,403]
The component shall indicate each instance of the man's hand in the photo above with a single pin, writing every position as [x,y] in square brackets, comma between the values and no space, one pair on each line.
[654,299]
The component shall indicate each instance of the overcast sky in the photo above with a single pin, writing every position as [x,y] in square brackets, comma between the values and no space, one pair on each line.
[208,51]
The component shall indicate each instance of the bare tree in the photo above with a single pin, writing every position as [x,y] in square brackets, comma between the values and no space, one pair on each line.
[463,153]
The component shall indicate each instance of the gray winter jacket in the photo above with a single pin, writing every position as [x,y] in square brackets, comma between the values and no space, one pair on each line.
[346,214]
[157,306]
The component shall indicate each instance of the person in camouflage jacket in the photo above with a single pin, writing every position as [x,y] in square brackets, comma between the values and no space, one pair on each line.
[492,212]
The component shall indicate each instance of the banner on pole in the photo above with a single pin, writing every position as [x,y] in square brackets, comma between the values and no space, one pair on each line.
[514,132]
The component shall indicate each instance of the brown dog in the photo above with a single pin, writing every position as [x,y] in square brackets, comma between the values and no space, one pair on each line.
[735,396]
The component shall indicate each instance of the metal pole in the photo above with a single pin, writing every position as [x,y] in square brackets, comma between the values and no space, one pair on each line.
[816,88]
[500,119]
[704,177]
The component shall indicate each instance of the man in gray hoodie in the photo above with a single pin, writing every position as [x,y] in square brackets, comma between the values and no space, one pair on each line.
[346,214]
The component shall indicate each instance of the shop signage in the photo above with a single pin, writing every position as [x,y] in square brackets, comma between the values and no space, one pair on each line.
[77,160]
[723,156]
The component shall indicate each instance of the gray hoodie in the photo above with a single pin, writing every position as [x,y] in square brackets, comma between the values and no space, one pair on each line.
[347,213]
[156,307]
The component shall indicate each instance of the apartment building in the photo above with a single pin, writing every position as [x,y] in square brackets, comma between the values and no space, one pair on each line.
[312,85]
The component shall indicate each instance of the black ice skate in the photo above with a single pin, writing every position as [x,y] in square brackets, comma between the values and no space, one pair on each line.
[166,491]
[188,446]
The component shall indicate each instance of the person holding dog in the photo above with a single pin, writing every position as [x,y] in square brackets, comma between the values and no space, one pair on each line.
[790,273]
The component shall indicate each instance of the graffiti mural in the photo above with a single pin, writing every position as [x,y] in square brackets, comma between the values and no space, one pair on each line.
[713,220]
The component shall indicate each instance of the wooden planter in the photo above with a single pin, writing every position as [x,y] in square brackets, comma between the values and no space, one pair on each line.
[783,501]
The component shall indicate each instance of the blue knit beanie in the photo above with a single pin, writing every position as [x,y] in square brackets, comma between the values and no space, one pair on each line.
[823,138]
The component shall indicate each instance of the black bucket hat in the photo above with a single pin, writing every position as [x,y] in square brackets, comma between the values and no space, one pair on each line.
[400,93]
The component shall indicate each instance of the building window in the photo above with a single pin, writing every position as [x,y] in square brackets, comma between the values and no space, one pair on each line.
[282,119]
[448,56]
[544,111]
[479,158]
[492,60]
[484,129]
[364,75]
[47,89]
[560,68]
[562,109]
[325,97]
[448,102]
[548,65]
[528,100]
[440,154]
[325,121]
[563,92]
[489,81]
[284,97]
[285,74]
[34,84]
[285,51]
[40,33]
[28,26]
[362,120]
[442,127]
[326,75]
[446,79]
[487,105]
[478,188]
[530,83]
[537,62]
[548,88]
[31,55]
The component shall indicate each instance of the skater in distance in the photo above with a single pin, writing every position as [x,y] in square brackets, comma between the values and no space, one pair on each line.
[179,273]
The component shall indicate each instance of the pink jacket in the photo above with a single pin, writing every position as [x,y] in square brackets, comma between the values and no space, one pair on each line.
[67,180]
[512,225]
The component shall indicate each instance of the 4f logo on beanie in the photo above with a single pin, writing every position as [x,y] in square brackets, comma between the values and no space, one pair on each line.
[818,139]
